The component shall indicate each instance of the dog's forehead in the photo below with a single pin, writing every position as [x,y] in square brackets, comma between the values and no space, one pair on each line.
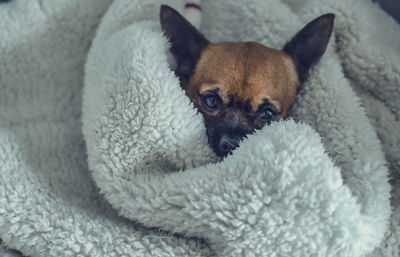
[247,71]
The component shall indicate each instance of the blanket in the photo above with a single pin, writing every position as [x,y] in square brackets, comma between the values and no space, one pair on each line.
[142,181]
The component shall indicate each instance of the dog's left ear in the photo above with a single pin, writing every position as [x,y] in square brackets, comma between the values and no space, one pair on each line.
[309,44]
[186,42]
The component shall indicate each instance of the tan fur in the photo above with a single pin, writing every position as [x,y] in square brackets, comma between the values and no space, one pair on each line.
[248,72]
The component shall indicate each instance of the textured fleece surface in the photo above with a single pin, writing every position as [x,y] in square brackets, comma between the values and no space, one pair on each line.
[316,186]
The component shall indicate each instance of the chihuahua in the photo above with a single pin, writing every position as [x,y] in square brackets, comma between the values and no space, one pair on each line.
[240,87]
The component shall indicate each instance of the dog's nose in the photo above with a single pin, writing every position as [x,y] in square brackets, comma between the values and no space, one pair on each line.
[227,144]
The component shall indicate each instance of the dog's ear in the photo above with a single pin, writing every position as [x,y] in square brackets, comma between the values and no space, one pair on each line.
[186,42]
[309,44]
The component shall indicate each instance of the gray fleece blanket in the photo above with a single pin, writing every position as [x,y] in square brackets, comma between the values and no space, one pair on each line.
[313,186]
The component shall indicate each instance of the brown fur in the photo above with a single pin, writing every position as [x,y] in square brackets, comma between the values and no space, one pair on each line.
[248,72]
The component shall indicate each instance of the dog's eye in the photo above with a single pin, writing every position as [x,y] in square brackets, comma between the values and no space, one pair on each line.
[210,102]
[267,115]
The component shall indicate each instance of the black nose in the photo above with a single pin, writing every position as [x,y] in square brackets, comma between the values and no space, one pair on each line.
[227,144]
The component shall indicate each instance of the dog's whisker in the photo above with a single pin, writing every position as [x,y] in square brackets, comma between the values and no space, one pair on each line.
[230,143]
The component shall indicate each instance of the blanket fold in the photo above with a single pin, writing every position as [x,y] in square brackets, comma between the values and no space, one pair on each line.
[203,201]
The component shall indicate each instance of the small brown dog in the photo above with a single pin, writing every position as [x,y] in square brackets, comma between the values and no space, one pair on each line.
[240,87]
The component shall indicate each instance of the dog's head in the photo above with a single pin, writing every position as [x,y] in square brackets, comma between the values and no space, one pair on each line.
[241,86]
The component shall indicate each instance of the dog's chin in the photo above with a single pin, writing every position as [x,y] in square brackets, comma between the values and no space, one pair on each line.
[213,141]
[221,154]
[216,149]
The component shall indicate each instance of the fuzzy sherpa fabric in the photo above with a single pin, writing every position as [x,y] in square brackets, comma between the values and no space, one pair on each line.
[49,205]
[316,186]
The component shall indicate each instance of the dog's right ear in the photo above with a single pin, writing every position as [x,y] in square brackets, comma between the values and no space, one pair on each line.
[186,42]
[310,43]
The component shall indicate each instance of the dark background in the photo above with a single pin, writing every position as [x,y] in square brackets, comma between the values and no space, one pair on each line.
[391,6]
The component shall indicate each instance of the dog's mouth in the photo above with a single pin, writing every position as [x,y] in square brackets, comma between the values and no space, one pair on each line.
[224,149]
[223,143]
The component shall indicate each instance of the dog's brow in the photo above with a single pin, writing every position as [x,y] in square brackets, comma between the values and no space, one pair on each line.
[268,102]
[208,87]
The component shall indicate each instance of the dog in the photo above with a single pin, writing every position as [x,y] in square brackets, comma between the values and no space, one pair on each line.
[240,87]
